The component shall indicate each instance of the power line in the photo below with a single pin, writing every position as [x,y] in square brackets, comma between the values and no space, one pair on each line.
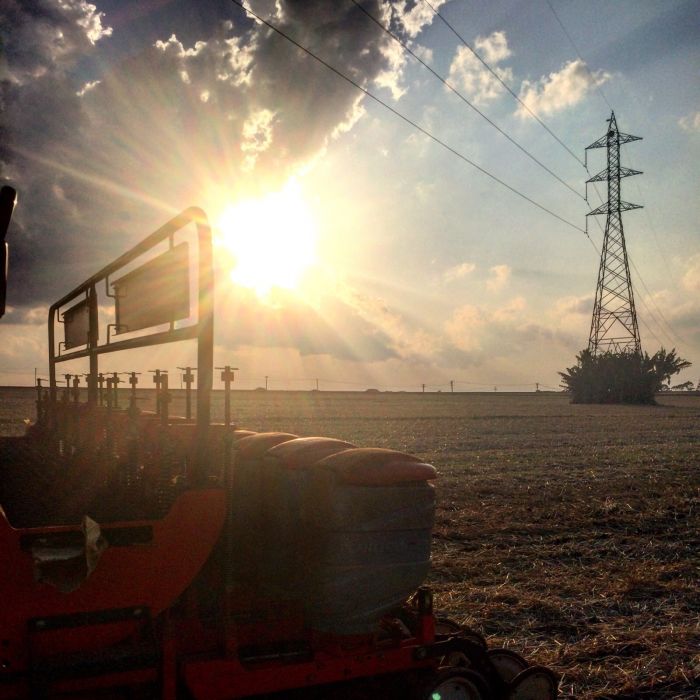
[502,82]
[607,102]
[451,87]
[416,126]
[578,53]
[670,328]
[439,141]
[595,188]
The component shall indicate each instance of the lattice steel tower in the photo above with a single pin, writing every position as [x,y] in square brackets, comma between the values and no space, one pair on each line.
[614,323]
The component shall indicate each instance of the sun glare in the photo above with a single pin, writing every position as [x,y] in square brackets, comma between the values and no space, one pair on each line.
[272,240]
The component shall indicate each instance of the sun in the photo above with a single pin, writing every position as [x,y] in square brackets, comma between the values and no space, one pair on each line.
[272,240]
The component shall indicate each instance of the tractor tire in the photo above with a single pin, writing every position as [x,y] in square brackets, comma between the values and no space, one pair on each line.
[454,684]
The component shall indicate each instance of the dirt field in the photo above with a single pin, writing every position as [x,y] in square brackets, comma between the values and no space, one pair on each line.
[568,533]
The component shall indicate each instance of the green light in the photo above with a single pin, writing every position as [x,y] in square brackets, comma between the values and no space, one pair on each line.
[436,696]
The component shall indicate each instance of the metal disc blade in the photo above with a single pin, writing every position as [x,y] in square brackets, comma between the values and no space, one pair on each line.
[534,683]
[507,663]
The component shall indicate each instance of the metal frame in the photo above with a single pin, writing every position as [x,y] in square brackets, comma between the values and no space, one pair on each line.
[614,325]
[202,330]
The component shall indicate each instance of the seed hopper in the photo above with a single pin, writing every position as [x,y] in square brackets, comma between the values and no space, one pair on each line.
[153,555]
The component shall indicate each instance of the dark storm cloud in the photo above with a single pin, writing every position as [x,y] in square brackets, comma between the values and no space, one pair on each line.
[98,160]
[109,128]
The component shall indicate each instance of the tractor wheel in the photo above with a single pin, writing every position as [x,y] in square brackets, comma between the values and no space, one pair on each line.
[456,659]
[534,683]
[454,684]
[474,638]
[507,663]
[447,627]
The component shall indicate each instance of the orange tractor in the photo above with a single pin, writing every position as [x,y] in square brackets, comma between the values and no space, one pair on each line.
[160,556]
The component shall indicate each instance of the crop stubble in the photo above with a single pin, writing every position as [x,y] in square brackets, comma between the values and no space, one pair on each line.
[566,532]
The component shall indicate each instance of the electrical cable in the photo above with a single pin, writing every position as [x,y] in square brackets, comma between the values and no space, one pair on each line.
[578,53]
[451,87]
[669,327]
[502,82]
[406,119]
[432,136]
[595,188]
[507,87]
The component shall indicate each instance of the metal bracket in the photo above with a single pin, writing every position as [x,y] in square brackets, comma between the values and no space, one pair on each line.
[116,327]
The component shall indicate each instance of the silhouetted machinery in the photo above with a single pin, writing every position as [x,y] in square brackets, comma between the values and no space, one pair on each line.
[8,197]
[181,558]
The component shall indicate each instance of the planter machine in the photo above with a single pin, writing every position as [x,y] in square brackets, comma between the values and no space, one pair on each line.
[163,556]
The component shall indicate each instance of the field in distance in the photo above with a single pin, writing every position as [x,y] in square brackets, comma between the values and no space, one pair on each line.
[568,533]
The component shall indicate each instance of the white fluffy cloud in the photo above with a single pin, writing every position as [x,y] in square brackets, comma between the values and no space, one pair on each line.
[469,75]
[458,271]
[690,122]
[47,37]
[483,333]
[102,158]
[560,90]
[691,278]
[464,328]
[415,18]
[498,277]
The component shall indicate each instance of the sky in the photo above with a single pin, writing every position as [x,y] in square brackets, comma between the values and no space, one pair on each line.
[388,240]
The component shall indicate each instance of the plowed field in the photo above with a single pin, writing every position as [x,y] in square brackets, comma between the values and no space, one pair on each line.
[568,533]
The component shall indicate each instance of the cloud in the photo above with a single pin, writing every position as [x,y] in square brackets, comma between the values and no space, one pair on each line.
[560,90]
[691,278]
[458,271]
[47,37]
[511,311]
[32,316]
[257,135]
[390,78]
[340,323]
[330,327]
[99,160]
[469,74]
[499,276]
[690,122]
[415,16]
[464,328]
[574,305]
[408,339]
[480,334]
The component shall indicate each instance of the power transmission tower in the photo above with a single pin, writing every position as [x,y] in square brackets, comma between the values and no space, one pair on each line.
[614,324]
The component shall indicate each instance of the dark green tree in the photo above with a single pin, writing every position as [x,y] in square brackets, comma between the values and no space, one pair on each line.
[627,377]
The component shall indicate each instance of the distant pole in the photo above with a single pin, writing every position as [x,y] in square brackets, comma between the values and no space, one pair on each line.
[317,385]
[495,388]
[115,382]
[423,385]
[452,386]
[35,376]
[133,380]
[227,377]
[266,378]
[157,378]
[188,378]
